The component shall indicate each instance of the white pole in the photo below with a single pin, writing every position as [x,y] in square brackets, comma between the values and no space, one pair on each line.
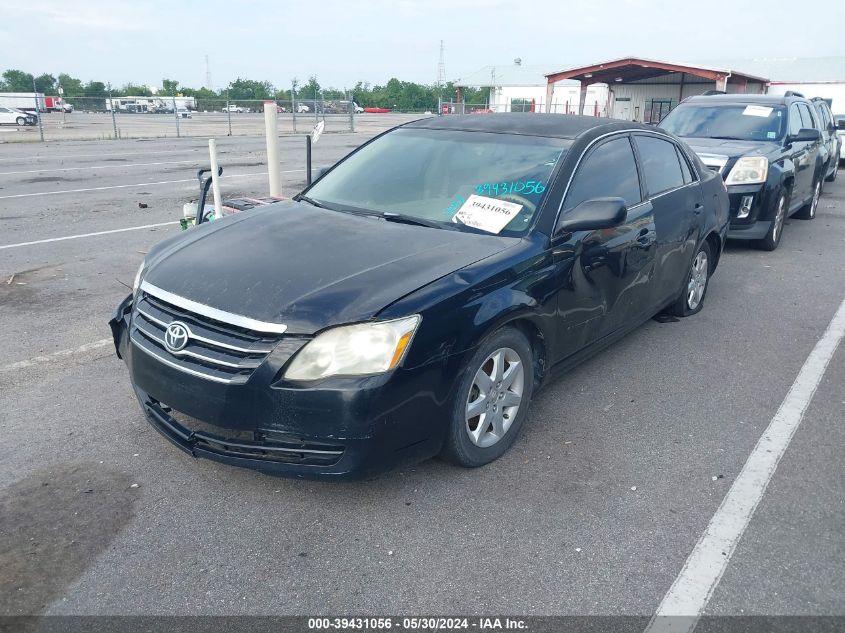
[271,131]
[215,181]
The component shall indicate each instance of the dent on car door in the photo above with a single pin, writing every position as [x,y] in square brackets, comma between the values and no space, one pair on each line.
[613,267]
[677,201]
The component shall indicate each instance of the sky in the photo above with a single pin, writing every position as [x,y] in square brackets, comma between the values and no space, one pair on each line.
[343,42]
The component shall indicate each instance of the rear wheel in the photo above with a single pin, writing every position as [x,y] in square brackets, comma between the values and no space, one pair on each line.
[808,211]
[493,395]
[691,299]
[772,239]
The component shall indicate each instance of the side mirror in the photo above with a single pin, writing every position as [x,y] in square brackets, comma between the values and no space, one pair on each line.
[805,134]
[840,124]
[594,214]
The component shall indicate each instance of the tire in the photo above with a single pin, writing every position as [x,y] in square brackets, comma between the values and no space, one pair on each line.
[832,176]
[21,121]
[808,211]
[772,239]
[691,299]
[480,439]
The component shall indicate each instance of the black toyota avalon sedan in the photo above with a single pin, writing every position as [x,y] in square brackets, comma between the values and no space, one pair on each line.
[767,148]
[410,302]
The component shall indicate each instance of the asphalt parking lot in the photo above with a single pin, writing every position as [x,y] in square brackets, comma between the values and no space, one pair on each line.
[622,465]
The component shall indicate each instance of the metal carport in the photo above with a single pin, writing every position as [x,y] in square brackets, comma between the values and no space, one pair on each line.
[646,90]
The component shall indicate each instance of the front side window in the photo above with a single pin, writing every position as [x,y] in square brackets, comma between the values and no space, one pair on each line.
[431,174]
[659,161]
[807,118]
[609,171]
[795,122]
[742,122]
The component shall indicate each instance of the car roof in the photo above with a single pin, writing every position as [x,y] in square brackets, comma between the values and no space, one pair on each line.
[730,99]
[527,123]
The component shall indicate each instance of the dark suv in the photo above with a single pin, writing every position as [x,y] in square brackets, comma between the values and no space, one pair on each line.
[769,152]
[831,142]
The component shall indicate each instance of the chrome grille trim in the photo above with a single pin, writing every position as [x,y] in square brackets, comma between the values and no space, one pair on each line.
[182,368]
[213,313]
[210,342]
[205,359]
[716,162]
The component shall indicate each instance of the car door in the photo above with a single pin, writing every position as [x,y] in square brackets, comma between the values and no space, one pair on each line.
[799,153]
[612,268]
[6,115]
[676,200]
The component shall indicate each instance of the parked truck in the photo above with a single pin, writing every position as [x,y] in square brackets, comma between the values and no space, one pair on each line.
[26,101]
[57,104]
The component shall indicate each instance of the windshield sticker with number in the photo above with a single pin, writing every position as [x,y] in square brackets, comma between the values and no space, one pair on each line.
[525,187]
[456,204]
[487,214]
[755,110]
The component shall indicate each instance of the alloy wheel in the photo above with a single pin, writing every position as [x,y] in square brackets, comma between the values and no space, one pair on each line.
[697,280]
[815,203]
[779,217]
[494,397]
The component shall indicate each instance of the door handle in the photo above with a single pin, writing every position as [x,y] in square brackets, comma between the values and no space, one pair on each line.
[698,208]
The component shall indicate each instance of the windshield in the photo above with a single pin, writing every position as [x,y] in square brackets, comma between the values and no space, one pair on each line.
[430,175]
[744,122]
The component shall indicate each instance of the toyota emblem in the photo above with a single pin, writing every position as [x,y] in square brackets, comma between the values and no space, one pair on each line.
[176,336]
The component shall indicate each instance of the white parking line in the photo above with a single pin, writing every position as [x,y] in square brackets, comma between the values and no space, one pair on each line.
[103,156]
[23,364]
[694,586]
[76,237]
[138,184]
[42,171]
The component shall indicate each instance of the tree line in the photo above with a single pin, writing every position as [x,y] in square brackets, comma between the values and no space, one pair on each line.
[395,94]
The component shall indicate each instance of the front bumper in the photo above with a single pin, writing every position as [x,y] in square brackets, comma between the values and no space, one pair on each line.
[337,428]
[759,219]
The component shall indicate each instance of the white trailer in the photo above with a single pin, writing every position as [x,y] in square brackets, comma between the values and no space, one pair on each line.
[27,101]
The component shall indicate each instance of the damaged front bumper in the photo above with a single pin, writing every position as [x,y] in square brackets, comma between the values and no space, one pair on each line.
[333,429]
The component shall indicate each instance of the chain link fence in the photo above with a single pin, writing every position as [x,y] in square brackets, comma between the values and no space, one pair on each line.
[33,118]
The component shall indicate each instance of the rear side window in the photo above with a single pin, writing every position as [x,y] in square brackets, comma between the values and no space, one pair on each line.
[609,171]
[685,168]
[661,167]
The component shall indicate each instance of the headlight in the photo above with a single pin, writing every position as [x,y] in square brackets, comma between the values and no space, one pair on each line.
[748,170]
[354,350]
[138,276]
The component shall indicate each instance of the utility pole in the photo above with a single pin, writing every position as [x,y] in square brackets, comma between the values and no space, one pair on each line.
[111,107]
[37,110]
[208,74]
[441,77]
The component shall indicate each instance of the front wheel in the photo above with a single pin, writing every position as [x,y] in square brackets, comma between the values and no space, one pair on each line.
[772,239]
[492,399]
[808,211]
[20,121]
[832,176]
[691,299]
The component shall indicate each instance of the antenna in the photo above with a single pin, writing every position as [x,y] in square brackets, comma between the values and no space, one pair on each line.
[441,67]
[208,74]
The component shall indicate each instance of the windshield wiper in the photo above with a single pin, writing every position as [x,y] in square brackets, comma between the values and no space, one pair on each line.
[728,138]
[312,202]
[390,216]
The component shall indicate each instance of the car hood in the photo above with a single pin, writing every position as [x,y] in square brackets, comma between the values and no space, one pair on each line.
[730,148]
[310,268]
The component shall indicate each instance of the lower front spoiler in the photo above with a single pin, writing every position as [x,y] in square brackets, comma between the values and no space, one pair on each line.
[356,459]
[756,231]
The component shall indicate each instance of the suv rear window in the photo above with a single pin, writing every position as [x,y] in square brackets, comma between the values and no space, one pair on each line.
[735,121]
